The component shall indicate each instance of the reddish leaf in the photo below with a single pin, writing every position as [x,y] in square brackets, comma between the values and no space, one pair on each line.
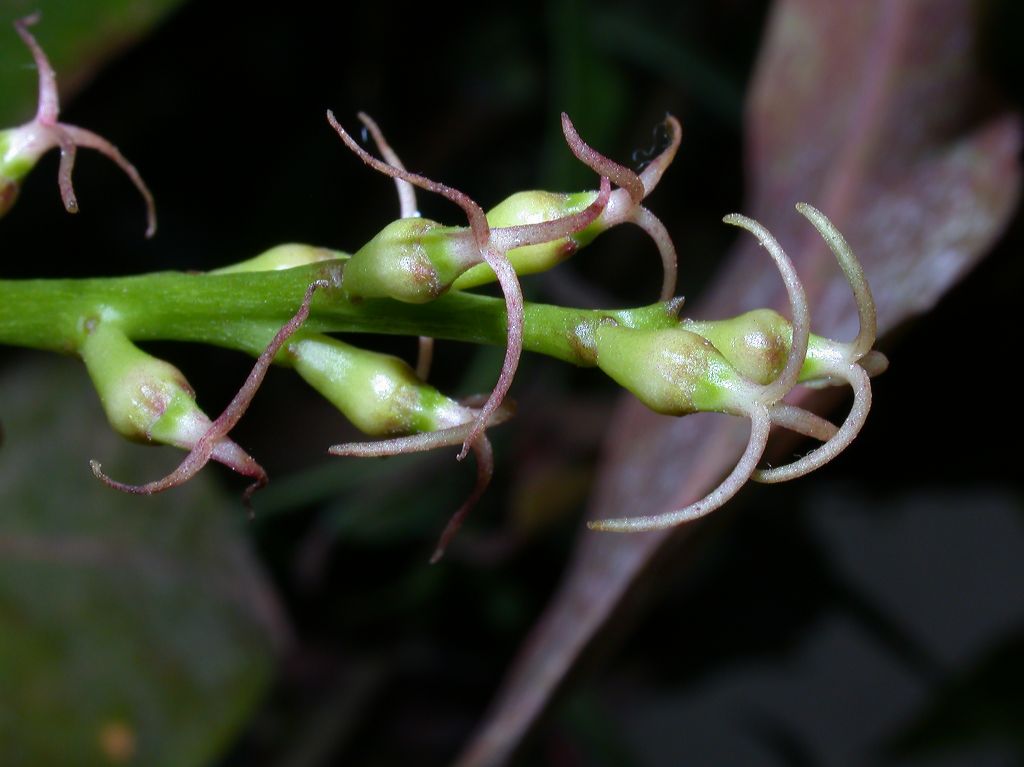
[860,109]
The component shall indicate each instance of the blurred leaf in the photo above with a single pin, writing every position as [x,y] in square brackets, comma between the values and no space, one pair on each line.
[132,630]
[77,37]
[863,110]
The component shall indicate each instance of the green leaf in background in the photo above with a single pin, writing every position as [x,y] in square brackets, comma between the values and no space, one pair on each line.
[132,630]
[77,36]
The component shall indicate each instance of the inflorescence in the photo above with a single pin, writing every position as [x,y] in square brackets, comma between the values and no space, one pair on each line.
[743,366]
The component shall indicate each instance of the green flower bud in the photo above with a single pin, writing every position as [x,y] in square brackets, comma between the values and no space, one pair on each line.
[379,393]
[139,393]
[282,257]
[755,343]
[672,371]
[412,259]
[532,208]
[148,400]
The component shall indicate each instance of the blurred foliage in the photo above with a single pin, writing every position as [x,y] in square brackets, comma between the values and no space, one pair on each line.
[130,633]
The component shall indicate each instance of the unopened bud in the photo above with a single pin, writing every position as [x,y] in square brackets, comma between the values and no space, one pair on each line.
[672,371]
[756,343]
[379,393]
[532,208]
[148,400]
[412,259]
[282,257]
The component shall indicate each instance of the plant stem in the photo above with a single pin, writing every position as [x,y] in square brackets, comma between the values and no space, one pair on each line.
[243,310]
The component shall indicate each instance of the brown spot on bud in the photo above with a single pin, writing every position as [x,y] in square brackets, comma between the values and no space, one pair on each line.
[8,194]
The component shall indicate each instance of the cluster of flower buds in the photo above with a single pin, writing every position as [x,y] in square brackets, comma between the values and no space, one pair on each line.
[149,400]
[416,260]
[743,366]
[21,147]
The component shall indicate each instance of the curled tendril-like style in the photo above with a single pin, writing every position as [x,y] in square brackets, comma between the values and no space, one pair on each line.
[786,380]
[764,406]
[45,132]
[760,426]
[846,366]
[406,191]
[214,442]
[619,175]
[492,246]
[431,440]
[407,209]
[858,379]
[861,345]
[624,204]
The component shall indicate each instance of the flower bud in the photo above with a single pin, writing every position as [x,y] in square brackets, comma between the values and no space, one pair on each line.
[756,343]
[379,393]
[672,371]
[148,400]
[282,257]
[532,208]
[412,259]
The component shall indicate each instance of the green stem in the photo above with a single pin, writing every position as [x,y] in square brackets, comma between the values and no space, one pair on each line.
[242,311]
